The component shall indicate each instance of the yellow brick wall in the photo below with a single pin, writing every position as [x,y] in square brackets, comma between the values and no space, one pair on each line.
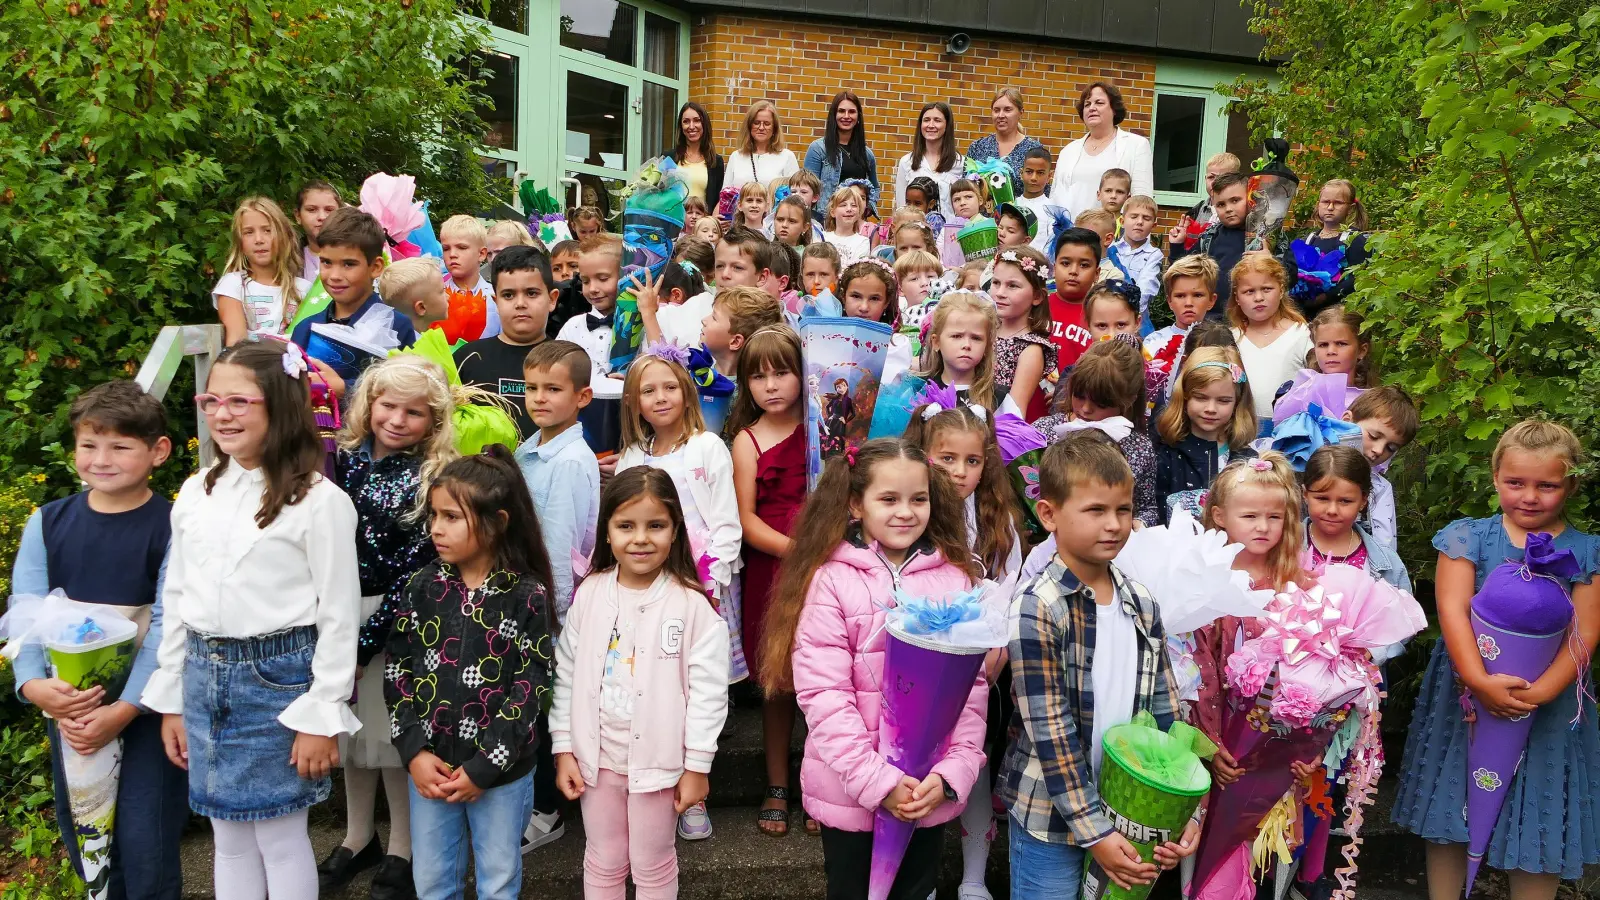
[799,65]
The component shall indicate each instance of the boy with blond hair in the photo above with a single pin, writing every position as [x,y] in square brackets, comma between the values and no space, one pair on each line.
[1137,254]
[466,249]
[916,271]
[413,288]
[1190,286]
[1115,186]
[1218,165]
[600,271]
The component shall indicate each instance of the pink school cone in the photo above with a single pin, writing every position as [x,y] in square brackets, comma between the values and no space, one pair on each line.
[924,691]
[1495,745]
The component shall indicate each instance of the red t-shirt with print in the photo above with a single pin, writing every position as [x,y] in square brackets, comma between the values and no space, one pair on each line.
[1068,330]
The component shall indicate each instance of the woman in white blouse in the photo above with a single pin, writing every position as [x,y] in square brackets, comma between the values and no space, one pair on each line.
[762,156]
[261,610]
[1106,146]
[933,153]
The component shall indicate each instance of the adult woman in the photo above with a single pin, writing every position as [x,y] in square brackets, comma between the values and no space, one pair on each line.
[842,153]
[933,153]
[1106,146]
[1008,142]
[699,162]
[761,156]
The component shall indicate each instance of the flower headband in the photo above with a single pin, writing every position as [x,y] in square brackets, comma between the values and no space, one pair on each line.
[668,351]
[1025,263]
[1234,370]
[886,269]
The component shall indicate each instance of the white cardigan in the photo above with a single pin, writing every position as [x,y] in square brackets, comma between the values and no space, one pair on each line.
[1128,151]
[903,173]
[711,487]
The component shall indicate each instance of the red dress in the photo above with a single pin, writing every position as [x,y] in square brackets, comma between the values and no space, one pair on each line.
[780,492]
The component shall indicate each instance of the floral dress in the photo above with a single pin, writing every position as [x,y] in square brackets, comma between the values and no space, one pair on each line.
[1007,350]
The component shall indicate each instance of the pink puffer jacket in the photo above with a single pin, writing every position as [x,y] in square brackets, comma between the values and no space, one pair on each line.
[838,669]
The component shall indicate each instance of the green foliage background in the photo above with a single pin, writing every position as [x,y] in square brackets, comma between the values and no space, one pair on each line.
[130,129]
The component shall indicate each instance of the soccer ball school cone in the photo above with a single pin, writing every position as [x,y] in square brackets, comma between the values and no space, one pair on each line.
[1151,781]
[1520,619]
[925,688]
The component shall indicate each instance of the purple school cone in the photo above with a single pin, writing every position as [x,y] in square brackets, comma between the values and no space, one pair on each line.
[1519,619]
[925,687]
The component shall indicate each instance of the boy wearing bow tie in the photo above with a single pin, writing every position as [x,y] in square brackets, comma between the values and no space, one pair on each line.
[600,271]
[523,298]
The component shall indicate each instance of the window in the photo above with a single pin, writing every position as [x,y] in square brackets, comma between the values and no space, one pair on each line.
[497,98]
[660,45]
[1175,152]
[604,28]
[660,126]
[597,121]
[1194,121]
[512,15]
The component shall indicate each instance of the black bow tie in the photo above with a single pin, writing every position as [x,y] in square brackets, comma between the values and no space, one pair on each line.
[599,320]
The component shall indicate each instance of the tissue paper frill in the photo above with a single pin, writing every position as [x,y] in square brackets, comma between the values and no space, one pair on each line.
[480,418]
[391,199]
[1304,433]
[1333,393]
[1189,571]
[1318,271]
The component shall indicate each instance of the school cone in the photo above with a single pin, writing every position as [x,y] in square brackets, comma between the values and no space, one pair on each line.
[925,688]
[1520,619]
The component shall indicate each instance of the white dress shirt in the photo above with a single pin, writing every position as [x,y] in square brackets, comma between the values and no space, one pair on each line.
[228,578]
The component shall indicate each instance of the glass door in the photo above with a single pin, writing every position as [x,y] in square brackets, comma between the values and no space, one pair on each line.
[600,116]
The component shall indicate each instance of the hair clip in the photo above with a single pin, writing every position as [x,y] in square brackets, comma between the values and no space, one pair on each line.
[1254,465]
[294,361]
[850,456]
[689,267]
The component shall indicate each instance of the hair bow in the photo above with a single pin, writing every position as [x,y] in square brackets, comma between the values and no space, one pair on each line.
[930,410]
[1122,288]
[1117,427]
[781,194]
[294,360]
[850,456]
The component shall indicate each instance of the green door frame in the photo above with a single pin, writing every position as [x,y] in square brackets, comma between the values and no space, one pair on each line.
[542,66]
[1194,78]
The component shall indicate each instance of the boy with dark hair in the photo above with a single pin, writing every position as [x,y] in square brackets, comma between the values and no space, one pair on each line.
[350,257]
[1388,420]
[108,545]
[522,297]
[1087,651]
[1077,260]
[1224,240]
[1035,175]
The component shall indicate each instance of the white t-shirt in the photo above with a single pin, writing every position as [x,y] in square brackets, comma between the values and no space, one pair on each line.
[1047,224]
[616,683]
[1267,368]
[1113,674]
[852,249]
[264,311]
[764,168]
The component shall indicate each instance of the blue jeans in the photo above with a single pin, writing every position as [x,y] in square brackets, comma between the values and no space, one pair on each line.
[152,809]
[440,833]
[1042,870]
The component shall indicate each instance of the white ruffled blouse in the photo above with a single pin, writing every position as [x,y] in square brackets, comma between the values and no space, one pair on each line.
[228,578]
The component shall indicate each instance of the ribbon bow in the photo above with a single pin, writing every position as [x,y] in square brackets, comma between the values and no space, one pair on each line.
[703,372]
[1308,624]
[1117,427]
[294,360]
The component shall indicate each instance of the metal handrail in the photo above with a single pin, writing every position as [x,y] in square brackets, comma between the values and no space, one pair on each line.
[174,344]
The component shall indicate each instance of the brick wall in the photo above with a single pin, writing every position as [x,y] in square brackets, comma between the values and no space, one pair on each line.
[800,64]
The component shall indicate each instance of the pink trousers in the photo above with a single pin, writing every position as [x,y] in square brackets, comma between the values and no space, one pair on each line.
[629,832]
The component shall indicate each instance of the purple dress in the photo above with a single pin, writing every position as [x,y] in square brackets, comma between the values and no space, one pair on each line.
[780,492]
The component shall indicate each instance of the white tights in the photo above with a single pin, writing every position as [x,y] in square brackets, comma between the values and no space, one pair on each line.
[269,858]
[361,801]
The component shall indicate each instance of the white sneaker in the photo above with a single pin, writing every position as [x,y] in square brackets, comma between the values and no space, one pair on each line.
[970,891]
[543,828]
[694,824]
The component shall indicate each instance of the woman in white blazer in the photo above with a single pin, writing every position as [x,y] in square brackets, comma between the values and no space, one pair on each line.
[1106,146]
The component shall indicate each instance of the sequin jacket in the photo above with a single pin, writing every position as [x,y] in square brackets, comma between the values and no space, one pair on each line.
[468,672]
[388,547]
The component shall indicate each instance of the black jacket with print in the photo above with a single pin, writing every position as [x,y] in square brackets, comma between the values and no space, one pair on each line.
[468,672]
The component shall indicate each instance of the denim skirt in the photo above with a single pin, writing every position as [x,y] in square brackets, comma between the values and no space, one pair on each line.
[234,689]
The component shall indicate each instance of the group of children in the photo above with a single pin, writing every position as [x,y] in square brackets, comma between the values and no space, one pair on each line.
[490,635]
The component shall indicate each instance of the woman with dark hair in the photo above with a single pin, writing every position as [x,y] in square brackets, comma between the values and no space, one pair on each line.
[1008,142]
[1106,146]
[933,154]
[699,162]
[841,154]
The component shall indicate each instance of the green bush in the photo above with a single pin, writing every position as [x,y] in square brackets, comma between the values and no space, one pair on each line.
[130,129]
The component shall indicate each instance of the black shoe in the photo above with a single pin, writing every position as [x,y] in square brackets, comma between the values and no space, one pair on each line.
[393,881]
[343,865]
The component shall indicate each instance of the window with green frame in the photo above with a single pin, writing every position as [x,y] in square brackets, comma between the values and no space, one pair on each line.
[1192,122]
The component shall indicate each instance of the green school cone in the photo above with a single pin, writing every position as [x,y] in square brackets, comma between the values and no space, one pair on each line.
[1151,781]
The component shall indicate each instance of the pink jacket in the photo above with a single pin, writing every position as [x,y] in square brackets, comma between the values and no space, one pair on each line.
[838,668]
[681,673]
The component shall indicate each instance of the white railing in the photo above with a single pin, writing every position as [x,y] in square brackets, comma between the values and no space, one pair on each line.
[173,345]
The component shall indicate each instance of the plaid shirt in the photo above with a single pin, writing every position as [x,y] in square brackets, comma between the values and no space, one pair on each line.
[1045,778]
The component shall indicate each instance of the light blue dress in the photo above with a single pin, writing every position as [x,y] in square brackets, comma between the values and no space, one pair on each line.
[1548,823]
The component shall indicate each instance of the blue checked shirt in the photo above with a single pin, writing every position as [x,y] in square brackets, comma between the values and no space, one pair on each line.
[1045,778]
